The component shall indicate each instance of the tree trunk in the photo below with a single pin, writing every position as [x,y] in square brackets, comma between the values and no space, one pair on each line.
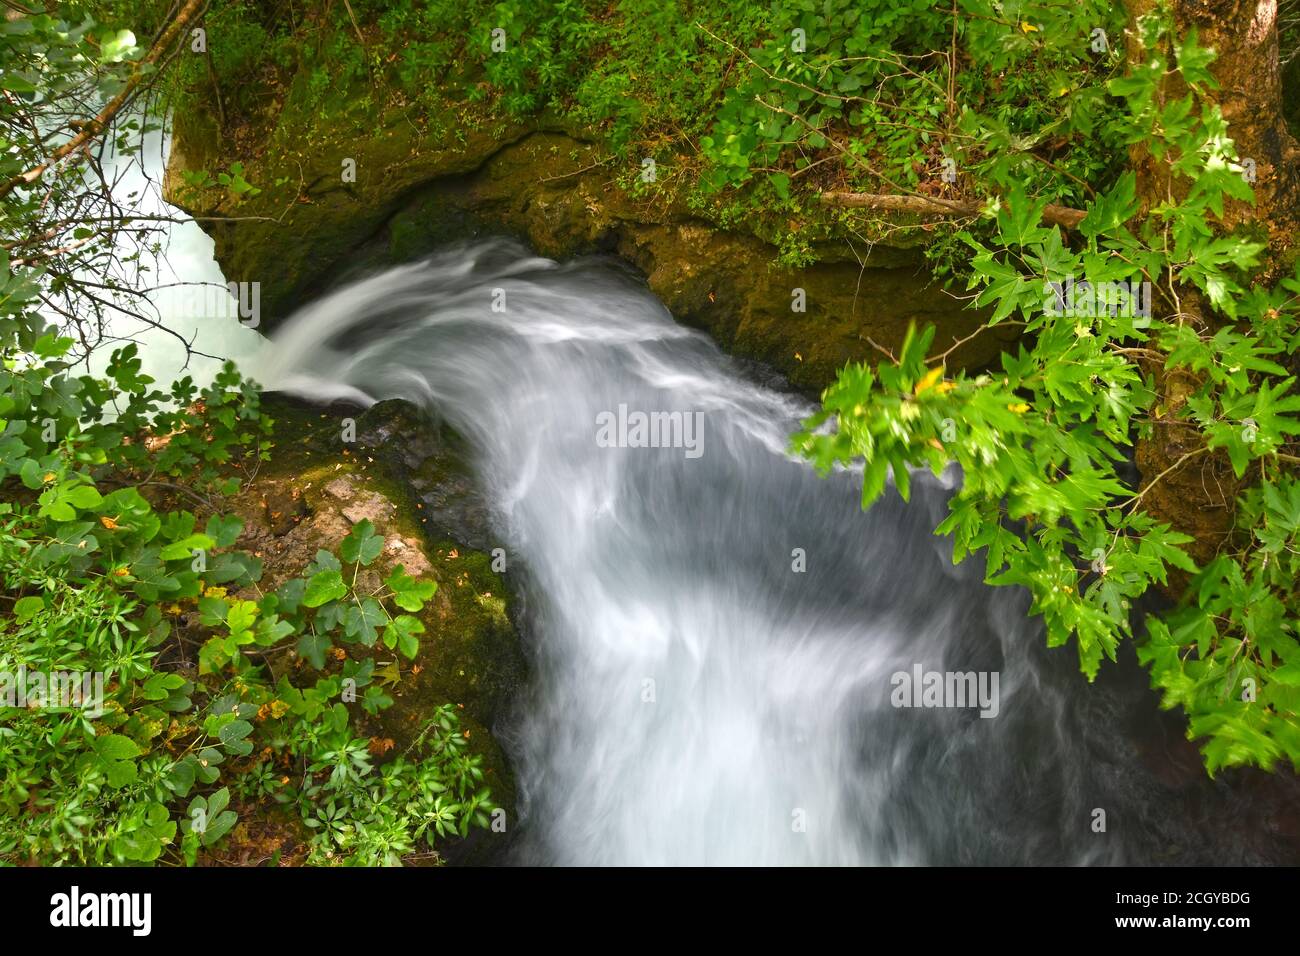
[1198,497]
[1244,35]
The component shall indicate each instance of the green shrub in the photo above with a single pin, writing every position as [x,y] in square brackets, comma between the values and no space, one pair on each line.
[95,580]
[1042,441]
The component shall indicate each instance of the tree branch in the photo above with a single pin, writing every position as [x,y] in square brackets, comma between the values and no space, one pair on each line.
[1062,216]
[96,126]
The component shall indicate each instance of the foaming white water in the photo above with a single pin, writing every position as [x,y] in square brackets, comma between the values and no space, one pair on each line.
[694,698]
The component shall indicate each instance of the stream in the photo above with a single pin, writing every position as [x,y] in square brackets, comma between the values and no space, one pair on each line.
[716,632]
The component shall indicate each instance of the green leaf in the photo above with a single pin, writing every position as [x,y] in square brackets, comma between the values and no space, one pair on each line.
[1288,676]
[324,561]
[16,84]
[1113,208]
[271,629]
[233,734]
[290,595]
[323,587]
[121,772]
[241,617]
[117,47]
[28,607]
[84,497]
[409,593]
[361,545]
[401,634]
[361,622]
[30,473]
[185,548]
[224,530]
[116,747]
[312,648]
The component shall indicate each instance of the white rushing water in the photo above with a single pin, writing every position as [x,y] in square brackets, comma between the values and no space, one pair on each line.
[187,290]
[694,697]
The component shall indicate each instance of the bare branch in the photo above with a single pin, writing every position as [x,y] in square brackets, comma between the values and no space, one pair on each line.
[1053,215]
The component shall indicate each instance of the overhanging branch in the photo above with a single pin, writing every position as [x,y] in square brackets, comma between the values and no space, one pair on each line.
[96,126]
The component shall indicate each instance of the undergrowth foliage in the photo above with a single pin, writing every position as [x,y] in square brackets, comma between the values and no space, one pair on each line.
[118,559]
[96,580]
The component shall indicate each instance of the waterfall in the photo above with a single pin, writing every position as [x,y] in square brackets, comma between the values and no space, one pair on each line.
[717,634]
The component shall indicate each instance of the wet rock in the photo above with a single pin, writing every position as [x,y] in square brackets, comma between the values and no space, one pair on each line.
[409,554]
[435,463]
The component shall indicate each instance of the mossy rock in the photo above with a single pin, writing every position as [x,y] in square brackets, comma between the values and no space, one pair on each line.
[314,489]
[426,179]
